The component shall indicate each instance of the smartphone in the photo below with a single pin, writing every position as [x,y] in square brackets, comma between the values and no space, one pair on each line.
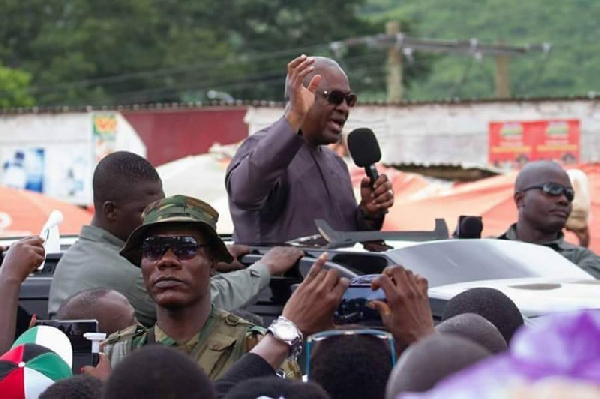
[82,347]
[354,310]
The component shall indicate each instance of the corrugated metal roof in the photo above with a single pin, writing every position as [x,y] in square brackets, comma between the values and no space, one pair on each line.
[279,104]
[445,171]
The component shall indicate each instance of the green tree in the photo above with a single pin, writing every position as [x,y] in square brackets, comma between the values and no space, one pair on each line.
[570,26]
[13,88]
[137,51]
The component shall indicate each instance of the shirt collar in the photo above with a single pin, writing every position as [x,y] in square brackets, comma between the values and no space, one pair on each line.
[187,346]
[559,243]
[94,233]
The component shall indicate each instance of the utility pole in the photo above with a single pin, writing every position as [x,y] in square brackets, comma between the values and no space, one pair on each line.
[394,78]
[397,43]
[501,76]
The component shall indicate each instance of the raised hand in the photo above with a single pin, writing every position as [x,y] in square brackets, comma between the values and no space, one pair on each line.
[101,371]
[406,312]
[301,98]
[22,258]
[312,305]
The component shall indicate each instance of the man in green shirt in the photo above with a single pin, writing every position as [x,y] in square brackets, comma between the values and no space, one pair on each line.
[177,249]
[124,184]
[544,196]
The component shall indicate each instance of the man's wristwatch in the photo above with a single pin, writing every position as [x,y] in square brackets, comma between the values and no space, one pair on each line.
[287,332]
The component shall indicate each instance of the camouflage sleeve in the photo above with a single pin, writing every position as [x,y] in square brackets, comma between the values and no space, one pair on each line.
[120,343]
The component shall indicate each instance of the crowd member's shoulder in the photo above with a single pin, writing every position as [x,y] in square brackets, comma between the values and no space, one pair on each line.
[585,258]
[119,344]
[235,321]
[132,333]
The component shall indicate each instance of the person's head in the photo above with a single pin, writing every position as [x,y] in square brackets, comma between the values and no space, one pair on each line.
[274,387]
[177,247]
[112,310]
[334,98]
[544,196]
[78,387]
[157,371]
[123,184]
[353,366]
[489,303]
[430,360]
[476,328]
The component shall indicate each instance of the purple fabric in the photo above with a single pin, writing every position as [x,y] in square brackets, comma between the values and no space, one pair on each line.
[565,347]
[278,185]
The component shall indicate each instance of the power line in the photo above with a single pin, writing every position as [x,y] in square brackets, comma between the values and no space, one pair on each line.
[228,85]
[176,70]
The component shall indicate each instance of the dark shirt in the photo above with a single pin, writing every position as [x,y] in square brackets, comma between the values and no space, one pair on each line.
[248,367]
[582,257]
[278,185]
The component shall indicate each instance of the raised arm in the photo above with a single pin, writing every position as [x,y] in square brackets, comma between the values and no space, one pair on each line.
[263,158]
[21,259]
[260,164]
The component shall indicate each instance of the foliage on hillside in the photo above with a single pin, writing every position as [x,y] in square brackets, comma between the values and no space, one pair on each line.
[571,27]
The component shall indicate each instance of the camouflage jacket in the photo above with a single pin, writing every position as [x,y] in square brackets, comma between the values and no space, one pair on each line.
[223,340]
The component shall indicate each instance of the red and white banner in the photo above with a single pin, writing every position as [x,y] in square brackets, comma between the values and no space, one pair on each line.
[513,143]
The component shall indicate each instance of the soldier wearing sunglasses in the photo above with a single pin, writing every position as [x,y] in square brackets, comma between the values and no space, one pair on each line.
[177,249]
[283,177]
[544,196]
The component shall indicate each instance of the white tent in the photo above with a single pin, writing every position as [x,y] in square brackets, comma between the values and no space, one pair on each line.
[202,177]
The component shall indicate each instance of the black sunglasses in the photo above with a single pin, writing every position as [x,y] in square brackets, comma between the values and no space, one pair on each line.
[336,97]
[554,190]
[183,247]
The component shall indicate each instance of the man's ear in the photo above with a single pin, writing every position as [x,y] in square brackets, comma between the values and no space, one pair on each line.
[518,197]
[109,209]
[213,267]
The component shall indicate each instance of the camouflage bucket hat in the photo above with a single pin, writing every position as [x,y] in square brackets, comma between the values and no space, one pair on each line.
[178,209]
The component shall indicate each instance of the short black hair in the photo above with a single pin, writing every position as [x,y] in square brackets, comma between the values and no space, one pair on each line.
[430,360]
[78,305]
[275,387]
[115,174]
[490,303]
[352,366]
[77,387]
[157,371]
[476,328]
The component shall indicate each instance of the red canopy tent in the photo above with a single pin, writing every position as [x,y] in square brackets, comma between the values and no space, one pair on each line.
[24,212]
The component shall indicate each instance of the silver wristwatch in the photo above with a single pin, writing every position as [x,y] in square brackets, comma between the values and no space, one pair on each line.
[286,331]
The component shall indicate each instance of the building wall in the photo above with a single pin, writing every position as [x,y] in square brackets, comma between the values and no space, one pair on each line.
[56,154]
[174,134]
[455,133]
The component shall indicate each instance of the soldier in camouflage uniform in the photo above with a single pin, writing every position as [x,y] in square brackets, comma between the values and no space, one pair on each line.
[177,248]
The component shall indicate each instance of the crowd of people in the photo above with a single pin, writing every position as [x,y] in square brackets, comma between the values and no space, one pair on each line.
[170,295]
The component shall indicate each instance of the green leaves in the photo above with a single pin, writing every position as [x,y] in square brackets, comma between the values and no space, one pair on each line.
[571,26]
[13,88]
